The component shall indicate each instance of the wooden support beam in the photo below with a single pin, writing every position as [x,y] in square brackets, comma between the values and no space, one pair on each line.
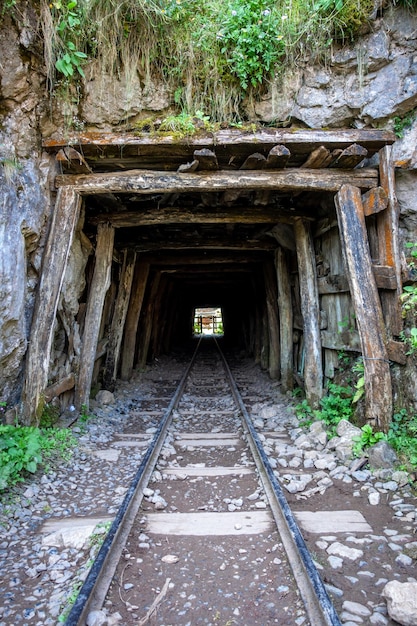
[207,159]
[55,257]
[140,280]
[365,298]
[147,321]
[98,288]
[150,182]
[118,321]
[277,158]
[285,320]
[389,246]
[385,277]
[309,299]
[332,283]
[169,215]
[347,340]
[270,278]
[374,201]
[350,157]
[319,158]
[71,160]
[55,390]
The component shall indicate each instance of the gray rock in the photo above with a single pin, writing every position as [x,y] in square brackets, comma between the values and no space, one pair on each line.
[96,618]
[105,397]
[401,602]
[382,455]
[355,608]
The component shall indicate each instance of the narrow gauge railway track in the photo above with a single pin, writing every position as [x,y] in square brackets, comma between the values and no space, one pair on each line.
[206,537]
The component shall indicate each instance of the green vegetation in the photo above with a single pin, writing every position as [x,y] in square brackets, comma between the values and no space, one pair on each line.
[24,449]
[402,123]
[409,305]
[334,406]
[213,56]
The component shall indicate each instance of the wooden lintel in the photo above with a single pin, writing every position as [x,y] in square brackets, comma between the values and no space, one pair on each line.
[374,201]
[212,245]
[296,140]
[168,215]
[150,182]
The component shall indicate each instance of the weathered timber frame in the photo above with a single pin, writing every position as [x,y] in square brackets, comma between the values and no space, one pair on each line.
[360,193]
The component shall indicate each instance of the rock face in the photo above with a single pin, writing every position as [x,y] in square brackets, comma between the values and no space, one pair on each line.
[402,602]
[23,214]
[369,83]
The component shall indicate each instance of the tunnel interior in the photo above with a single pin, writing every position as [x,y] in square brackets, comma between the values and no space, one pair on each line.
[243,221]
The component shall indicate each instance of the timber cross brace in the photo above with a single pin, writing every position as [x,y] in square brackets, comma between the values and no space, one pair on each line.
[301,220]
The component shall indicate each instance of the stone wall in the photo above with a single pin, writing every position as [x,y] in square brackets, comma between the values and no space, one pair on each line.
[364,85]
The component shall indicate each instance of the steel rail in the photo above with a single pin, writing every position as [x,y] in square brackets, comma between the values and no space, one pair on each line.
[95,587]
[318,605]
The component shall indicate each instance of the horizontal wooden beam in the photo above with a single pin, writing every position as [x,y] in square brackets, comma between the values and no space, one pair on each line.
[169,215]
[374,201]
[204,244]
[224,138]
[385,276]
[150,182]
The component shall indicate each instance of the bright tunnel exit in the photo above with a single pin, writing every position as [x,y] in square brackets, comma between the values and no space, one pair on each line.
[208,321]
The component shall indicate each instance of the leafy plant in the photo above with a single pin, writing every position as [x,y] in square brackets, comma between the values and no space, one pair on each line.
[402,436]
[401,124]
[20,452]
[359,368]
[367,439]
[69,26]
[23,449]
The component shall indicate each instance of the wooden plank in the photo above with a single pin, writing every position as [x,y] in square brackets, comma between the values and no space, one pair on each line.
[385,277]
[147,321]
[55,258]
[55,390]
[332,283]
[118,321]
[318,158]
[207,159]
[140,280]
[277,157]
[150,182]
[350,157]
[389,246]
[169,215]
[309,300]
[374,201]
[378,389]
[203,524]
[273,322]
[98,288]
[299,141]
[397,351]
[70,159]
[347,340]
[285,320]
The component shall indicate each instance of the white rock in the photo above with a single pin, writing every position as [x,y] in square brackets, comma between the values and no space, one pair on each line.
[373,498]
[338,549]
[335,562]
[356,609]
[96,618]
[105,397]
[402,602]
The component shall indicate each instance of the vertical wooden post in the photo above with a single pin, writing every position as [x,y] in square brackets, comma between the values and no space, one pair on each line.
[273,323]
[118,321]
[364,292]
[145,334]
[309,298]
[388,243]
[285,320]
[99,286]
[54,263]
[132,319]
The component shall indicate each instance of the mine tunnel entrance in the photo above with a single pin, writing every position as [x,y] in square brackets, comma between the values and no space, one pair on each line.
[292,234]
[208,321]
